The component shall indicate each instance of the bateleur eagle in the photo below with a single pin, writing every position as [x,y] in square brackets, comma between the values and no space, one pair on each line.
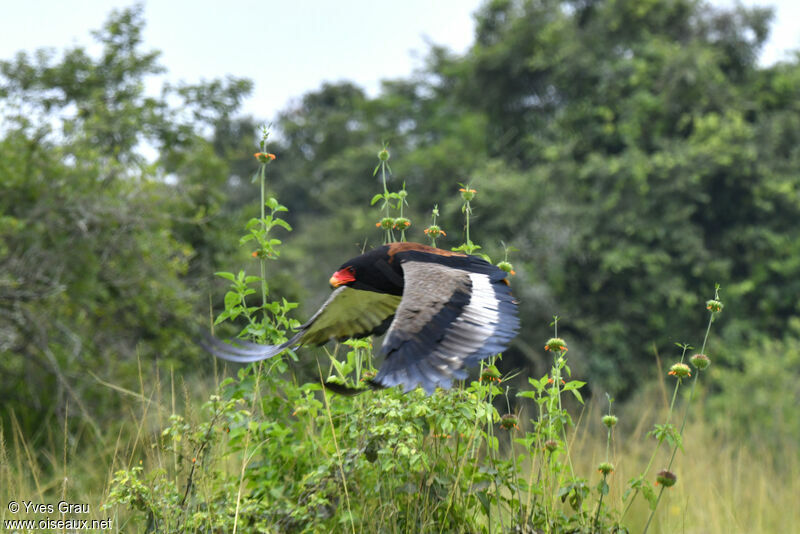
[441,311]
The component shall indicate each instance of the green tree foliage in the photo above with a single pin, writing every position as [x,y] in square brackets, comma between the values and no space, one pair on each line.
[635,151]
[101,250]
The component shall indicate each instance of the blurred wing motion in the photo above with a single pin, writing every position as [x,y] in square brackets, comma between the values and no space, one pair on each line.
[450,317]
[348,313]
[443,311]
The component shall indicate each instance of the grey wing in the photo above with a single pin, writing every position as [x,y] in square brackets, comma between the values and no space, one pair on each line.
[347,313]
[449,318]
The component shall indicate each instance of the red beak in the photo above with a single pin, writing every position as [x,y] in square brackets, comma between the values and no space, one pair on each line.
[341,277]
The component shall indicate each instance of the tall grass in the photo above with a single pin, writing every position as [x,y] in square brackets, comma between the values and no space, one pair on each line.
[727,483]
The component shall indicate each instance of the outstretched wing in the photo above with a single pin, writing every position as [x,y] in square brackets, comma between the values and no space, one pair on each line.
[452,314]
[348,313]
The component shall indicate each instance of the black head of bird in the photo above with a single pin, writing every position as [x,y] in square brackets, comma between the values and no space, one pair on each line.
[441,311]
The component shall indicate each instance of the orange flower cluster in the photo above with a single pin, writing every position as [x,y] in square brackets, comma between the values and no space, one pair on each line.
[680,370]
[436,231]
[556,344]
[491,374]
[509,421]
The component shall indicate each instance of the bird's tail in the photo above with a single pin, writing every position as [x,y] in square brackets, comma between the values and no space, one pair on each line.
[245,351]
[347,391]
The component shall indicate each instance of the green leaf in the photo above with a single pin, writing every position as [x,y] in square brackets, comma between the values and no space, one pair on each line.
[573,385]
[226,275]
[232,300]
[375,199]
[484,499]
[650,495]
[283,224]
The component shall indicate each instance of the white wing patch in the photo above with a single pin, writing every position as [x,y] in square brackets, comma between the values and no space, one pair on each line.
[474,326]
[455,331]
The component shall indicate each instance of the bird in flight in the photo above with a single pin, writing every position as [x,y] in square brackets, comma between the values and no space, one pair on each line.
[441,311]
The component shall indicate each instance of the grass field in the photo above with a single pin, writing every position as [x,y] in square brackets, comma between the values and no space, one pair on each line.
[724,484]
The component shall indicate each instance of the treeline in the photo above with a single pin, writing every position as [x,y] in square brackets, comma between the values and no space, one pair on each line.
[635,153]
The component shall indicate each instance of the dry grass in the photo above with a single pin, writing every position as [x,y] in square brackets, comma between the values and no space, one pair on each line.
[725,484]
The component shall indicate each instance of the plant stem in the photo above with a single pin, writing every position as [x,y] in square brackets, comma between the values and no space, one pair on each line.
[660,440]
[263,261]
[599,505]
[389,234]
[685,412]
[336,446]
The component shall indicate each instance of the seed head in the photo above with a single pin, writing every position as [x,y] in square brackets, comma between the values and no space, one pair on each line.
[490,374]
[680,370]
[401,223]
[387,223]
[550,445]
[507,267]
[700,361]
[509,421]
[606,468]
[467,194]
[556,344]
[434,231]
[666,478]
[383,155]
[610,420]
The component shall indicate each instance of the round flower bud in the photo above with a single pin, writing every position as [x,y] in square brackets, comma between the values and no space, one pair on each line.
[606,468]
[666,478]
[490,374]
[700,361]
[467,194]
[714,305]
[507,267]
[383,155]
[401,223]
[680,370]
[556,344]
[434,231]
[609,420]
[509,421]
[387,223]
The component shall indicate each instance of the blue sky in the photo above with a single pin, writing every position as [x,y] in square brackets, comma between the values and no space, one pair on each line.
[289,48]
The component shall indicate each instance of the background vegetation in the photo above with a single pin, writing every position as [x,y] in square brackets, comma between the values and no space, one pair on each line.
[634,153]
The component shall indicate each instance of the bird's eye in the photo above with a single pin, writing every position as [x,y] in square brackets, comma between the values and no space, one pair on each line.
[351,270]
